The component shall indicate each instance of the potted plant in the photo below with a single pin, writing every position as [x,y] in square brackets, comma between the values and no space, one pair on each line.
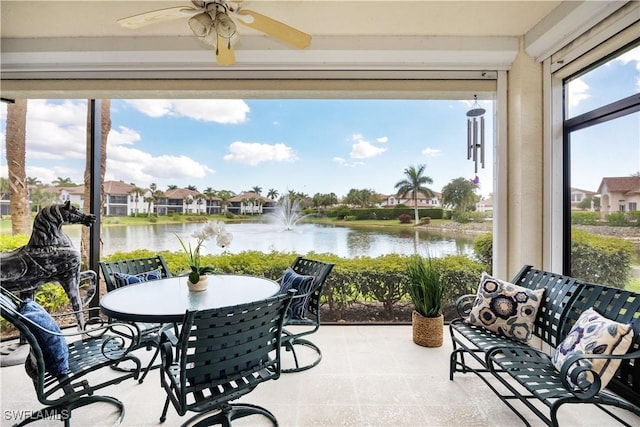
[426,290]
[198,273]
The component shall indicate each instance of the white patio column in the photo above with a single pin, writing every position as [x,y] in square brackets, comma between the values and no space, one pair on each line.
[525,156]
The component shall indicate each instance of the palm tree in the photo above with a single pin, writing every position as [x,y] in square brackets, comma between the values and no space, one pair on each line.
[199,198]
[272,194]
[172,187]
[32,180]
[414,183]
[225,195]
[105,128]
[209,194]
[151,199]
[136,192]
[15,152]
[257,190]
[63,182]
[188,200]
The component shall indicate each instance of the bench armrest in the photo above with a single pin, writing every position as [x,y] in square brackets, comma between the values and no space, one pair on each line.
[464,303]
[578,377]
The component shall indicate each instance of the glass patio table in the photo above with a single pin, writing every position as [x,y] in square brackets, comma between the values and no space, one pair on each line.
[167,300]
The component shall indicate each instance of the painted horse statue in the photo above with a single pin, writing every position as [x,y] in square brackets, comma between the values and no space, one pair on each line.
[48,257]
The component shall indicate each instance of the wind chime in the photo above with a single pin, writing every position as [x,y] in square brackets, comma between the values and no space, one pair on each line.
[475,143]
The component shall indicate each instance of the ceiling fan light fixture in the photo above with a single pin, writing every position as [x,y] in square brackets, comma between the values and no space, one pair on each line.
[201,24]
[224,25]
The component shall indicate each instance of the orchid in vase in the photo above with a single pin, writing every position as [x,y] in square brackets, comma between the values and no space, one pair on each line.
[211,229]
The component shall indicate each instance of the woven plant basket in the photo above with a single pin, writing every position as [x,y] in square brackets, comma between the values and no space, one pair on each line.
[427,331]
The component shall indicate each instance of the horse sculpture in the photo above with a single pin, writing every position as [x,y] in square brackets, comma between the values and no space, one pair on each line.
[48,257]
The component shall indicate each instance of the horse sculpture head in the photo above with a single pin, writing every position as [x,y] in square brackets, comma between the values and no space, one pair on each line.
[71,215]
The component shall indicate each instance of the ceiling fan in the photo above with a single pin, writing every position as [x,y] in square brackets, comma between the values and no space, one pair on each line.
[214,23]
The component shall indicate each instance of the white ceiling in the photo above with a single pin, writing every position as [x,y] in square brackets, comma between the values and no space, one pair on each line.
[317,17]
[82,40]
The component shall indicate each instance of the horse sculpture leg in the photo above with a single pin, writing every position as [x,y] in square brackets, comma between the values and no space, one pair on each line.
[71,287]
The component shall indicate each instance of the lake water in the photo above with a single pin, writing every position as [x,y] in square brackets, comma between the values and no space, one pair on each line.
[303,238]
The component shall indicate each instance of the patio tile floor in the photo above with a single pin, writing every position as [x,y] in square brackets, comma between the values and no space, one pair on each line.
[369,376]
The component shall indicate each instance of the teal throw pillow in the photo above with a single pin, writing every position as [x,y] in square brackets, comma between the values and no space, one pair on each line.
[124,279]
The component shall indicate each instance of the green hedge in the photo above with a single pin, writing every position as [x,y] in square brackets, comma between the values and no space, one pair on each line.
[594,259]
[585,218]
[383,213]
[352,280]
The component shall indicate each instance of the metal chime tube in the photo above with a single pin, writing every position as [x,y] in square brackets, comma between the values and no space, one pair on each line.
[481,143]
[475,141]
[468,139]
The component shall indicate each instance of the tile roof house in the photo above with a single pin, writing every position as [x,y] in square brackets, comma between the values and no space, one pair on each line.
[121,199]
[182,200]
[250,203]
[485,205]
[74,194]
[578,195]
[619,194]
[423,202]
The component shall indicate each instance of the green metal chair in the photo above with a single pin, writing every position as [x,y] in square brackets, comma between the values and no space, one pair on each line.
[96,347]
[306,320]
[221,355]
[148,333]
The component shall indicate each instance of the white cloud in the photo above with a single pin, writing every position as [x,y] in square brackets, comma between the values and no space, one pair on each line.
[343,162]
[254,153]
[363,149]
[133,165]
[431,152]
[578,91]
[207,110]
[631,56]
[123,136]
[383,139]
[48,174]
[56,131]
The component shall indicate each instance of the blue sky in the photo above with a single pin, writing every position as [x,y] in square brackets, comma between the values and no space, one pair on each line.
[309,146]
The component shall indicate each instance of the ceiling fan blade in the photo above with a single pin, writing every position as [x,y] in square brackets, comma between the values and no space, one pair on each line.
[157,16]
[225,54]
[276,29]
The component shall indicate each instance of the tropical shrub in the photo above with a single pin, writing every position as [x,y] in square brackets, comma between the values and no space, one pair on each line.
[617,219]
[426,287]
[425,220]
[404,219]
[633,218]
[585,218]
[483,250]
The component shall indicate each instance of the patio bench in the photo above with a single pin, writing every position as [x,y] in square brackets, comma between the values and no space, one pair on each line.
[527,370]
